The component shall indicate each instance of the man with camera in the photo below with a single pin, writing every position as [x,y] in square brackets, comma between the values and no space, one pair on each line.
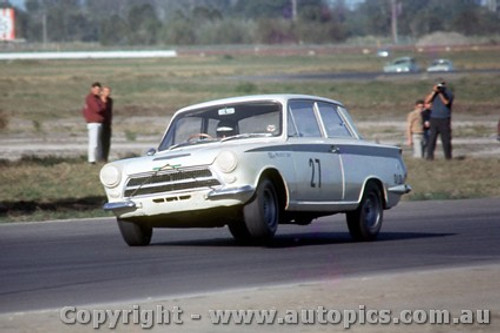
[441,100]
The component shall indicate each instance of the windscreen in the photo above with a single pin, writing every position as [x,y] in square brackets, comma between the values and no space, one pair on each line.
[220,122]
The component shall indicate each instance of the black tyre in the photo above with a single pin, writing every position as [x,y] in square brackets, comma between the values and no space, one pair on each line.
[262,214]
[365,222]
[239,231]
[135,234]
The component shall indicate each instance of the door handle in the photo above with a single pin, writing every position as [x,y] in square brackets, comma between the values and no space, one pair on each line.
[334,149]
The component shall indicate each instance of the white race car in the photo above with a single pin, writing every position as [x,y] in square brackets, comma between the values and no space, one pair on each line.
[252,163]
[402,65]
[441,65]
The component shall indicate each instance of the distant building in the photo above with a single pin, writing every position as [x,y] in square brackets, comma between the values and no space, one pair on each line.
[7,24]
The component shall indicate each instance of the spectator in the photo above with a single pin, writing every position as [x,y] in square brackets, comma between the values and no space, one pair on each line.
[106,125]
[93,113]
[426,116]
[441,100]
[498,131]
[415,129]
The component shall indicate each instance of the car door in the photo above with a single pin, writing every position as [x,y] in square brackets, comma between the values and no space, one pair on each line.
[319,177]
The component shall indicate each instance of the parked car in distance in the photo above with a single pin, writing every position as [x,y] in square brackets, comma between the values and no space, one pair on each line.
[402,65]
[252,163]
[383,53]
[441,65]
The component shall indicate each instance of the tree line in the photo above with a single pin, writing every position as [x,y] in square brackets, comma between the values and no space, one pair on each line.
[195,22]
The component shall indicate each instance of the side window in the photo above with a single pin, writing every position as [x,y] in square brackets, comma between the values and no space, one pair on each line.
[303,122]
[334,124]
[292,126]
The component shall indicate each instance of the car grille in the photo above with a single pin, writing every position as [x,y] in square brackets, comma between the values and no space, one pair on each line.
[168,181]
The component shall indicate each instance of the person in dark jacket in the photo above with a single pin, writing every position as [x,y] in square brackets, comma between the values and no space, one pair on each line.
[498,131]
[106,125]
[441,99]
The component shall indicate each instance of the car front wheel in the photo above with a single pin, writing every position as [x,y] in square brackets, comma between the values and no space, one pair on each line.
[135,234]
[239,231]
[262,214]
[365,222]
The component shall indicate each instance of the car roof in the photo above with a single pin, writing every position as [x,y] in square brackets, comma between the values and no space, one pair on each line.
[282,98]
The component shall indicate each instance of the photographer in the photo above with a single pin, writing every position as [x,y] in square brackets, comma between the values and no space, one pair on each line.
[441,100]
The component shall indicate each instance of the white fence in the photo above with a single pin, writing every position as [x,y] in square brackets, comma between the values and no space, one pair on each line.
[87,55]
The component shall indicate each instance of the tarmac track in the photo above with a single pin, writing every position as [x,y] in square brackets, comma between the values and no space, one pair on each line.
[53,264]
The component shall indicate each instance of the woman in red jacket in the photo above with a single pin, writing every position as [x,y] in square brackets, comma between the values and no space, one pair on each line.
[94,115]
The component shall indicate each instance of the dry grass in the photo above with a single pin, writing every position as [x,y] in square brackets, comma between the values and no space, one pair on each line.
[456,179]
[46,91]
[50,188]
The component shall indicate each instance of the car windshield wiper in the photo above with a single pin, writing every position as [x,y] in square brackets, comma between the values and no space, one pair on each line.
[246,135]
[183,144]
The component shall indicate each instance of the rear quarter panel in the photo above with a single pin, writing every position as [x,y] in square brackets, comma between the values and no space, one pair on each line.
[362,162]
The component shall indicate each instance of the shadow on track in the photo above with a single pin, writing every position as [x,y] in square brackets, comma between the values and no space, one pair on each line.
[303,239]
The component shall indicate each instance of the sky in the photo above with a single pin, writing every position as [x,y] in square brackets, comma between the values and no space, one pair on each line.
[17,3]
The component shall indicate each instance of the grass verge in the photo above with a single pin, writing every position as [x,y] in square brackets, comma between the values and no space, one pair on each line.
[50,188]
[456,179]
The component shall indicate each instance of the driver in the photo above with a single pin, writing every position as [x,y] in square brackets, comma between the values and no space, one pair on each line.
[226,128]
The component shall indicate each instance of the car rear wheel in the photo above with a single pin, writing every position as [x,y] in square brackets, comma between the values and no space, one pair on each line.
[262,214]
[365,222]
[135,234]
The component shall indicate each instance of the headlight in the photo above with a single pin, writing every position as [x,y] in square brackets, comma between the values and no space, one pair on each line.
[226,161]
[110,175]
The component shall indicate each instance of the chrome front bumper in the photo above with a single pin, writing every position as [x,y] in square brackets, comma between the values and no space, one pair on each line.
[112,206]
[228,192]
[242,193]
